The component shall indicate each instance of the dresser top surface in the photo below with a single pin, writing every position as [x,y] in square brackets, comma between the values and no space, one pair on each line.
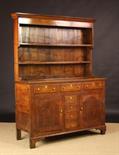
[60,80]
[53,17]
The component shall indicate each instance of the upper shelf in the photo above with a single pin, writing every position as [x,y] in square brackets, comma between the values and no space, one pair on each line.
[55,45]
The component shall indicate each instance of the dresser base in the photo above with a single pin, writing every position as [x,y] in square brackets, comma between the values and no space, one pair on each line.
[32,141]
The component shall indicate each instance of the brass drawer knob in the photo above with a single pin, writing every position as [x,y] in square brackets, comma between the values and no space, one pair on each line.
[71,85]
[61,110]
[46,86]
[38,89]
[81,109]
[53,88]
[71,97]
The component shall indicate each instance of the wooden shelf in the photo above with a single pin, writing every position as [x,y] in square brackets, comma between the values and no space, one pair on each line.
[55,45]
[51,63]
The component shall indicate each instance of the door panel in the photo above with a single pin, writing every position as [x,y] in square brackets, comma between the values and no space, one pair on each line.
[92,108]
[47,112]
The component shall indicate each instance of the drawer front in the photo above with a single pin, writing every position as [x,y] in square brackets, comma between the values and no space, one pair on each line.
[72,115]
[82,85]
[70,103]
[71,124]
[93,85]
[71,120]
[71,87]
[67,87]
[71,107]
[70,99]
[45,89]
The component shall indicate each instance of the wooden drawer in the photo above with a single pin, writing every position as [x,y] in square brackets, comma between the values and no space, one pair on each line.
[92,85]
[48,88]
[71,107]
[70,99]
[71,115]
[69,124]
[82,85]
[71,87]
[70,103]
[71,120]
[45,89]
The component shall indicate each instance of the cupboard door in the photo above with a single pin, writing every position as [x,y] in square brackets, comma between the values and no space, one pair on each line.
[92,108]
[46,113]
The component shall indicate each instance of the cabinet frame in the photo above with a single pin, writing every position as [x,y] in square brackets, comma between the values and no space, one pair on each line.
[53,76]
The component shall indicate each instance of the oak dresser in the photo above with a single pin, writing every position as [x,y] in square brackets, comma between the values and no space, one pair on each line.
[55,89]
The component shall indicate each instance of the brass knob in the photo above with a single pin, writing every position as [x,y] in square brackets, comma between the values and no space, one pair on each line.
[38,89]
[61,110]
[46,86]
[53,88]
[71,97]
[71,85]
[81,109]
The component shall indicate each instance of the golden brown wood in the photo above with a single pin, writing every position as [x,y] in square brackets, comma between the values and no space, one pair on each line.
[55,90]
